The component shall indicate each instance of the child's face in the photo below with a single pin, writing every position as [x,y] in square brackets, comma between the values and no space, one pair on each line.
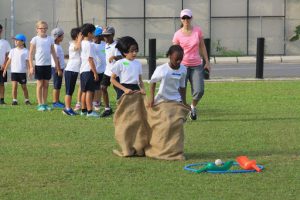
[132,52]
[109,38]
[175,59]
[42,30]
[19,43]
[59,39]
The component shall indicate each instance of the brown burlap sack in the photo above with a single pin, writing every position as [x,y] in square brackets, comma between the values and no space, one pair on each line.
[131,129]
[167,138]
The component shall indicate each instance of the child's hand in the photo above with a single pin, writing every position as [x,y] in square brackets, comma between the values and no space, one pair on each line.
[142,91]
[96,77]
[31,71]
[4,72]
[128,91]
[59,72]
[111,59]
[151,103]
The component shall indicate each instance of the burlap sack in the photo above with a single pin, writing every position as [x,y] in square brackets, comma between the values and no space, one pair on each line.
[131,129]
[167,138]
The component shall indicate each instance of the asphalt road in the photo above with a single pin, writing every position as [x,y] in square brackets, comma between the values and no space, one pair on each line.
[240,71]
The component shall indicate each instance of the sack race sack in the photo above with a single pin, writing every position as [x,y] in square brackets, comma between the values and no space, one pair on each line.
[166,121]
[131,128]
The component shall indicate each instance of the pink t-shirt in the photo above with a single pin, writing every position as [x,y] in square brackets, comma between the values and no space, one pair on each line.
[190,45]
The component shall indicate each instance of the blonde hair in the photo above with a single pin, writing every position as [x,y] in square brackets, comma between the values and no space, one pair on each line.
[40,22]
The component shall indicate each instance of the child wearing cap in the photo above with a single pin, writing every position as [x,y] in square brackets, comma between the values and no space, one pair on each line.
[100,65]
[72,69]
[4,50]
[42,47]
[112,54]
[18,58]
[57,71]
[88,73]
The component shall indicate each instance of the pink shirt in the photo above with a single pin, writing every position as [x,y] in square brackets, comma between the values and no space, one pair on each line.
[190,45]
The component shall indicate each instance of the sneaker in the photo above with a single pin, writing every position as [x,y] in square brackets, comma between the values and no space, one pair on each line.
[193,114]
[2,102]
[58,105]
[14,103]
[83,113]
[47,108]
[93,114]
[27,102]
[77,107]
[107,113]
[96,107]
[72,112]
[41,108]
[68,112]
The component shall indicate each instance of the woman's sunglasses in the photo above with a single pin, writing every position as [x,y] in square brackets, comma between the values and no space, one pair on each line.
[185,17]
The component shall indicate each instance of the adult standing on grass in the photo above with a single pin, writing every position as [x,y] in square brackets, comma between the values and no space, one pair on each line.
[190,38]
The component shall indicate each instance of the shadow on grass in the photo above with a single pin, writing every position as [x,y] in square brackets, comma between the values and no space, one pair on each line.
[233,155]
[252,119]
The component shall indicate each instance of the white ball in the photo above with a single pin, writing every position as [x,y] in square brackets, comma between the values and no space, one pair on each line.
[218,162]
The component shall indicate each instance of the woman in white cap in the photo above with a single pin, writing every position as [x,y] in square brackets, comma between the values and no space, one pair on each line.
[190,38]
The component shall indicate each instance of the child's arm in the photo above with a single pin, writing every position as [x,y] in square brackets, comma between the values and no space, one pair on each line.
[78,42]
[118,85]
[93,68]
[6,66]
[152,93]
[112,58]
[31,51]
[57,64]
[142,88]
[182,92]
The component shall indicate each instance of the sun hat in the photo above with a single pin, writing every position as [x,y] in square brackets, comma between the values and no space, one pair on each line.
[57,32]
[20,37]
[186,12]
[98,31]
[108,31]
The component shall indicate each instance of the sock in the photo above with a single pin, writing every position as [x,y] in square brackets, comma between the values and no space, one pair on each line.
[108,108]
[90,111]
[192,106]
[84,110]
[26,100]
[15,100]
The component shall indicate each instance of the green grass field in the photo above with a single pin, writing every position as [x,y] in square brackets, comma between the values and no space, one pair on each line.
[47,155]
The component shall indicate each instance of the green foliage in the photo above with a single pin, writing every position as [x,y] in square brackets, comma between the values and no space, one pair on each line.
[224,52]
[296,36]
[47,155]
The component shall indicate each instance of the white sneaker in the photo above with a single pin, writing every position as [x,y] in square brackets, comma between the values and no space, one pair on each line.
[93,114]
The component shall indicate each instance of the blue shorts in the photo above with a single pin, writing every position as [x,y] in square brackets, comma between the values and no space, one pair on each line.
[87,82]
[42,72]
[105,80]
[98,83]
[57,80]
[70,80]
[3,79]
[19,77]
[133,87]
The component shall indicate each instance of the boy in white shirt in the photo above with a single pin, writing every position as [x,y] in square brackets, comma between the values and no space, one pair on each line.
[18,58]
[42,46]
[172,77]
[4,50]
[58,36]
[112,55]
[88,73]
[72,69]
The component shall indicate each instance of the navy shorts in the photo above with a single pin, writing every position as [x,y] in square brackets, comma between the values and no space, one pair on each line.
[133,87]
[98,83]
[3,79]
[57,80]
[87,82]
[70,79]
[105,80]
[43,72]
[19,77]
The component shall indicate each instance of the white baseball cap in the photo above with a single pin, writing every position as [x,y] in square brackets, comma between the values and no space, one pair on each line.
[186,12]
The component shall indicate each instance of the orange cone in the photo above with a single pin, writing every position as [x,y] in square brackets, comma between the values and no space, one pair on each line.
[247,164]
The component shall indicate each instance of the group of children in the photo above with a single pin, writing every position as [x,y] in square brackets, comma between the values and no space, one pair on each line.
[97,58]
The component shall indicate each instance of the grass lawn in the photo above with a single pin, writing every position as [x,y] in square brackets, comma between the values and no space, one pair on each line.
[47,155]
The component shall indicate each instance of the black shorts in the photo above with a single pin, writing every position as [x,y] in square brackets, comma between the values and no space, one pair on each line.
[70,80]
[129,86]
[98,83]
[19,77]
[105,80]
[3,79]
[43,72]
[57,80]
[87,82]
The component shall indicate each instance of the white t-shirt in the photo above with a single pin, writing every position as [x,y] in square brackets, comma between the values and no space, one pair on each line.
[171,81]
[60,55]
[74,62]
[128,70]
[100,57]
[87,51]
[18,58]
[4,48]
[42,49]
[110,50]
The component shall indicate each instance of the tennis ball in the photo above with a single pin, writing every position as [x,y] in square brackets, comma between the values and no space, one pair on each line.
[218,162]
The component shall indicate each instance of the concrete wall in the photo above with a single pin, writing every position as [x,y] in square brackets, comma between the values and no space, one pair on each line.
[230,32]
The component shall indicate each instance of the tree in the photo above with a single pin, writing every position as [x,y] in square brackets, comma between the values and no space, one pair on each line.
[296,36]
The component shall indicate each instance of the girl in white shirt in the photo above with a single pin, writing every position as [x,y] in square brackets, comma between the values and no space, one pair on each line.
[18,58]
[172,77]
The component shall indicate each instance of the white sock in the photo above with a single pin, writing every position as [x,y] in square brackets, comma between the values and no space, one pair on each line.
[26,100]
[192,106]
[108,108]
[15,100]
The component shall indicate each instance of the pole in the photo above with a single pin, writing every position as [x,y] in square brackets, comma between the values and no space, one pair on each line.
[81,12]
[76,11]
[260,58]
[12,18]
[152,57]
[207,45]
